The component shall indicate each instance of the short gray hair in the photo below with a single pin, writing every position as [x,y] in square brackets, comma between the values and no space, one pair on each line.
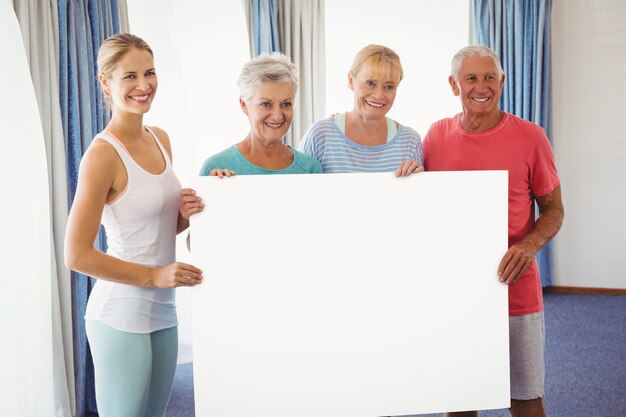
[275,67]
[474,50]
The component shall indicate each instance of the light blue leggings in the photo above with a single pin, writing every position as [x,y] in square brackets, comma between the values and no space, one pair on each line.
[134,372]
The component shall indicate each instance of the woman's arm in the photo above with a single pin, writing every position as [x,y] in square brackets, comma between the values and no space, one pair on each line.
[97,178]
[189,202]
[411,166]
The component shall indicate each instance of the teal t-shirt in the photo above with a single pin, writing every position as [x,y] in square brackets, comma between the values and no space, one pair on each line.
[233,160]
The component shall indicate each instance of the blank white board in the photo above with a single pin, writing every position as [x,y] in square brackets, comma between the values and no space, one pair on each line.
[350,294]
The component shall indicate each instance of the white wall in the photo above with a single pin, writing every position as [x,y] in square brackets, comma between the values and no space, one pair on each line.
[589,87]
[425,35]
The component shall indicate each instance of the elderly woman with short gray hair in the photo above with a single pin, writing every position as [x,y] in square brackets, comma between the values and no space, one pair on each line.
[267,87]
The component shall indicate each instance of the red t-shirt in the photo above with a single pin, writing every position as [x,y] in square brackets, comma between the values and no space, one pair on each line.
[515,145]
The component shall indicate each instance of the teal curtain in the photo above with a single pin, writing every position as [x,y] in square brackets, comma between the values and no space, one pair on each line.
[83,26]
[519,32]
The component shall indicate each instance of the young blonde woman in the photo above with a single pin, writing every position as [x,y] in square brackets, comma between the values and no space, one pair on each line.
[126,183]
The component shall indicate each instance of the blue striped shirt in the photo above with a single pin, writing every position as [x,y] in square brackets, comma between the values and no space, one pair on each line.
[337,153]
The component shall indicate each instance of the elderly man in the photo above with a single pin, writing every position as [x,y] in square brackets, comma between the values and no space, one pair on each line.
[483,137]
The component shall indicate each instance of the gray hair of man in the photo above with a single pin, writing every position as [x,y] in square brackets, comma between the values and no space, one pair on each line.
[275,67]
[474,50]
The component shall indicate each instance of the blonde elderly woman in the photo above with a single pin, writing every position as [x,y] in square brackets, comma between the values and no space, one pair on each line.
[364,139]
[267,85]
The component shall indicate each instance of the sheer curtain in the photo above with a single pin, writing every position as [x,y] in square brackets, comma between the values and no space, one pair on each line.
[519,32]
[301,33]
[29,352]
[122,7]
[39,25]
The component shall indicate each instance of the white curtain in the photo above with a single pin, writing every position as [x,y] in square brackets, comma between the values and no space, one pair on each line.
[247,10]
[301,34]
[32,370]
[38,21]
[122,6]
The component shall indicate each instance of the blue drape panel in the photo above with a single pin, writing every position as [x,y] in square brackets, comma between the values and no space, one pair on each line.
[83,25]
[519,32]
[265,26]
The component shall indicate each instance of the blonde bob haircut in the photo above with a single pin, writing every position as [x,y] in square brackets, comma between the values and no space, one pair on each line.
[381,61]
[112,50]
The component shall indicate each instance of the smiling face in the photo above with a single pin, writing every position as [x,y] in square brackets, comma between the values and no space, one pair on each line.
[478,86]
[270,111]
[132,83]
[374,94]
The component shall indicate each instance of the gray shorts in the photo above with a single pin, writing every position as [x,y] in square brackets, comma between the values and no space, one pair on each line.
[526,344]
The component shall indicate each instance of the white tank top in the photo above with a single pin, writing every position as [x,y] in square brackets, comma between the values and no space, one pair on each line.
[140,227]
